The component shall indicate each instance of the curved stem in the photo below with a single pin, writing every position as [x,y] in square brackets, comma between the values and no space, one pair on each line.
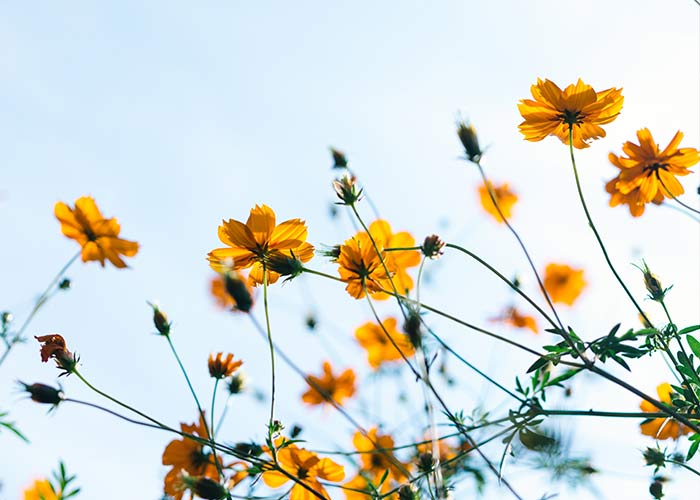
[213,402]
[489,188]
[272,350]
[595,231]
[37,305]
[504,279]
[199,406]
[670,195]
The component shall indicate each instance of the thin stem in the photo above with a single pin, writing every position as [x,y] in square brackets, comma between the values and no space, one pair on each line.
[330,399]
[196,400]
[213,402]
[37,305]
[670,412]
[272,349]
[425,372]
[670,195]
[685,466]
[685,354]
[114,400]
[319,273]
[489,188]
[595,231]
[504,279]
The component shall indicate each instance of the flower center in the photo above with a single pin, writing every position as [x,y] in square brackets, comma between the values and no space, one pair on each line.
[302,473]
[571,117]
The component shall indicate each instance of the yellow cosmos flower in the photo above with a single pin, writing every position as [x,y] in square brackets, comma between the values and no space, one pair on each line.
[377,456]
[308,468]
[329,387]
[400,261]
[647,174]
[253,243]
[661,428]
[379,348]
[505,198]
[40,490]
[188,455]
[563,283]
[361,267]
[554,110]
[511,316]
[99,237]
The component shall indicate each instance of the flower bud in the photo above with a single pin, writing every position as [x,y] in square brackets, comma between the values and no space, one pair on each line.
[64,284]
[42,393]
[470,141]
[238,290]
[285,265]
[657,489]
[652,283]
[408,492]
[412,327]
[204,487]
[160,320]
[433,246]
[236,384]
[426,462]
[346,189]
[339,159]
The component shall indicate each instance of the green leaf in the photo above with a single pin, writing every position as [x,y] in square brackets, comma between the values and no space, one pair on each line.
[694,345]
[689,329]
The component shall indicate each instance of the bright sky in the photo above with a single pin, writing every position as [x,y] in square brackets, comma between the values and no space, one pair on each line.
[174,116]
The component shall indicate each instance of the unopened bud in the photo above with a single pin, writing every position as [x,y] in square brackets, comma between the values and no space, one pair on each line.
[332,252]
[412,327]
[657,489]
[64,284]
[339,159]
[204,487]
[160,320]
[408,492]
[470,141]
[346,189]
[236,383]
[285,265]
[238,290]
[426,462]
[42,393]
[433,246]
[652,283]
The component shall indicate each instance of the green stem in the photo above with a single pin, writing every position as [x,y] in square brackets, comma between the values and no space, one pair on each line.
[504,279]
[196,400]
[271,347]
[492,195]
[595,231]
[37,305]
[213,402]
[674,198]
[116,401]
[680,345]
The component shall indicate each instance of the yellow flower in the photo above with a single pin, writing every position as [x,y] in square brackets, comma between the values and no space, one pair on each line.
[253,243]
[661,428]
[328,387]
[40,490]
[505,198]
[563,283]
[186,454]
[377,455]
[98,236]
[554,110]
[648,175]
[361,267]
[308,468]
[400,261]
[511,316]
[379,348]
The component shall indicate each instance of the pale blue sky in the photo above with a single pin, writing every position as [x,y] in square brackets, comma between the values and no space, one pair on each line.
[174,116]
